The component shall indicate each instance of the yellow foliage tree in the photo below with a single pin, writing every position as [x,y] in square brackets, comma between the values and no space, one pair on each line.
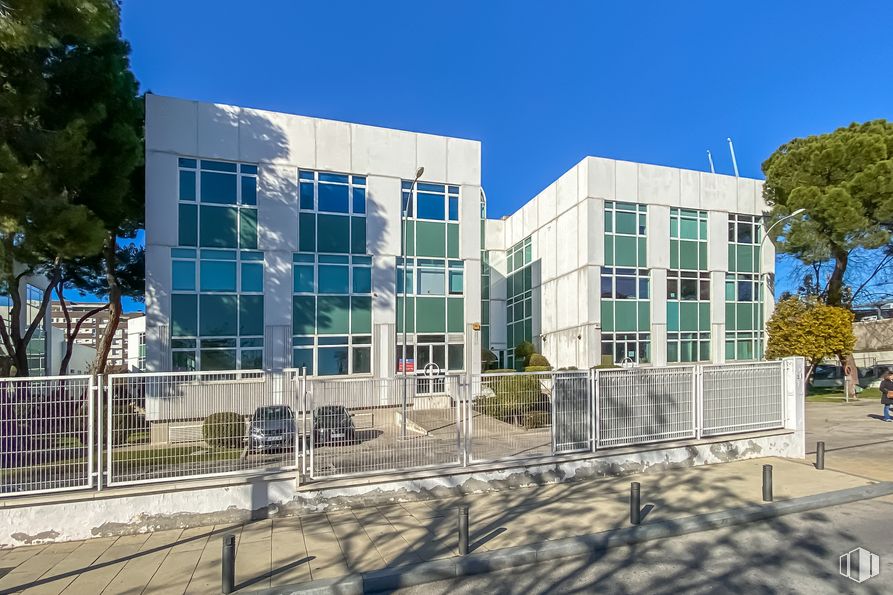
[810,329]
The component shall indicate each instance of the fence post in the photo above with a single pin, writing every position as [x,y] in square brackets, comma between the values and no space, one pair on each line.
[596,413]
[698,388]
[99,418]
[592,416]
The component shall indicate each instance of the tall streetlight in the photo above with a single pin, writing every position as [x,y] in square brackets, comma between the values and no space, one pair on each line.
[403,216]
[763,239]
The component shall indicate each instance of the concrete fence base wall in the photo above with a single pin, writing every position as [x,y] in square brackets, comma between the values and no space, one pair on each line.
[72,516]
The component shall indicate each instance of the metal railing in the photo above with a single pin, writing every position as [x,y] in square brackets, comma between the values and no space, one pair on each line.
[47,434]
[181,425]
[742,397]
[78,432]
[361,426]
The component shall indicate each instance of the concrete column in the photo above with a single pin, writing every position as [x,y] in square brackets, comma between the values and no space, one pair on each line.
[794,371]
[717,317]
[659,316]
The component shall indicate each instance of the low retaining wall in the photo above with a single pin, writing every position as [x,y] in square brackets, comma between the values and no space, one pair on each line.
[121,511]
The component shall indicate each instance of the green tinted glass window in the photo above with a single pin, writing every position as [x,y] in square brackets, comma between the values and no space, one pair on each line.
[361,314]
[219,315]
[218,227]
[251,315]
[184,315]
[188,225]
[307,232]
[334,234]
[333,314]
[304,314]
[219,188]
[248,229]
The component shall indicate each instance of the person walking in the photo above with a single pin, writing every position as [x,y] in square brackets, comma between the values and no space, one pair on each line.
[887,394]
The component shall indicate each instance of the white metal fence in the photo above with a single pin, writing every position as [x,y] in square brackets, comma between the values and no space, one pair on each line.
[46,434]
[80,432]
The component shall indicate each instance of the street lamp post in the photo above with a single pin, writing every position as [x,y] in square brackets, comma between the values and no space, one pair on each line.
[403,216]
[763,239]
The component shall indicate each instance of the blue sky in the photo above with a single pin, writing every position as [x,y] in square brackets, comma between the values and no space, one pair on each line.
[540,84]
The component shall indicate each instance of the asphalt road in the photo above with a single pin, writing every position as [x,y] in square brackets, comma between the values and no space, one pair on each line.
[791,554]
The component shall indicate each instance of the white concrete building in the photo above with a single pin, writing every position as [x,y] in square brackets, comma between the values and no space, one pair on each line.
[273,240]
[618,260]
[136,344]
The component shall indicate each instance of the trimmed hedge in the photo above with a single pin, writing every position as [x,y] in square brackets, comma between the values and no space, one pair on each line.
[512,397]
[538,360]
[225,429]
[533,368]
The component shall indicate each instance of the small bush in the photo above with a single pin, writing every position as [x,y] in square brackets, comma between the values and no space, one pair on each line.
[523,351]
[510,397]
[535,419]
[538,360]
[225,429]
[532,368]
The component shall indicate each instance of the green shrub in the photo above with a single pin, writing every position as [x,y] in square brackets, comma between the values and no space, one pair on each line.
[523,351]
[127,419]
[510,397]
[538,360]
[225,429]
[535,419]
[533,368]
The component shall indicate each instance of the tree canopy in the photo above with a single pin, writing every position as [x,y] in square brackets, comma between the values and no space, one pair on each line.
[70,145]
[809,328]
[844,181]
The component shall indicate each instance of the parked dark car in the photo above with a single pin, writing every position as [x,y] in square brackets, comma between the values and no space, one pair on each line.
[272,428]
[333,425]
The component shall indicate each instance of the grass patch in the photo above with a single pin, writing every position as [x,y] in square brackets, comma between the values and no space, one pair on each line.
[165,455]
[834,394]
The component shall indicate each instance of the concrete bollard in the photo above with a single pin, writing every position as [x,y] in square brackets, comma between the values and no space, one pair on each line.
[228,565]
[635,503]
[463,529]
[820,455]
[767,483]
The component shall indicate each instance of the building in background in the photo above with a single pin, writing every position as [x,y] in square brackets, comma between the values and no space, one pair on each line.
[627,262]
[287,250]
[39,348]
[94,326]
[276,241]
[136,344]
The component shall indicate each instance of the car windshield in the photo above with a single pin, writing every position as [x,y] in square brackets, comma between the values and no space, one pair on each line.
[332,417]
[272,413]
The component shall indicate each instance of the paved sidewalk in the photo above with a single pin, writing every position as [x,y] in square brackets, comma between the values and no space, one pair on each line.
[297,549]
[856,440]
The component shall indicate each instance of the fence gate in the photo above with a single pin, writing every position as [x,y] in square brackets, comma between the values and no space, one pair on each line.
[365,425]
[572,412]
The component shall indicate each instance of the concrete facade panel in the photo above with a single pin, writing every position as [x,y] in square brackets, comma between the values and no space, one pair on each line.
[333,146]
[658,185]
[431,153]
[218,131]
[277,204]
[175,125]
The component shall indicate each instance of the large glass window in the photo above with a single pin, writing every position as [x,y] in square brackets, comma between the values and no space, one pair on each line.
[332,216]
[432,213]
[625,285]
[434,289]
[220,326]
[688,288]
[226,216]
[332,314]
[744,290]
[519,297]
